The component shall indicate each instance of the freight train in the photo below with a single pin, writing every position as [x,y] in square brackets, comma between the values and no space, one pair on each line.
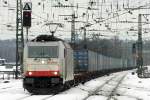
[86,60]
[51,64]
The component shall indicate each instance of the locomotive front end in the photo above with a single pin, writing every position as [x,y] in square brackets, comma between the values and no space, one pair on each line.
[42,67]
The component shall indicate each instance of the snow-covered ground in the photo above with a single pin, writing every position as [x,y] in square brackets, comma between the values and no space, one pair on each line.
[131,88]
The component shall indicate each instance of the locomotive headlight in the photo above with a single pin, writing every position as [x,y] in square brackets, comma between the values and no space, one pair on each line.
[30,73]
[55,73]
[43,61]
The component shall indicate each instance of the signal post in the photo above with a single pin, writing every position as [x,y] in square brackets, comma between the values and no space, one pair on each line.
[27,10]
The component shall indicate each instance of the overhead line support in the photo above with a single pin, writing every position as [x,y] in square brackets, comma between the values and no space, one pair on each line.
[19,37]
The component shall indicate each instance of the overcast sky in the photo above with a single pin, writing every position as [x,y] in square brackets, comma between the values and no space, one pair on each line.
[100,16]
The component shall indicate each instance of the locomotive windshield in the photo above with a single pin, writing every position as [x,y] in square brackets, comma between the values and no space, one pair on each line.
[43,52]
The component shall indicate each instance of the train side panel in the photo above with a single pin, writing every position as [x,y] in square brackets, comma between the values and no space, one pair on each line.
[81,60]
[69,65]
[92,61]
[98,62]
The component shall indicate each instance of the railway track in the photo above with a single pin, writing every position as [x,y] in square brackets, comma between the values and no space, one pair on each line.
[107,88]
[35,96]
[50,96]
[23,98]
[113,92]
[101,88]
[47,97]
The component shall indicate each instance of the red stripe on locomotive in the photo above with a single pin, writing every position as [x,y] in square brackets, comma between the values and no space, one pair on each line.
[42,73]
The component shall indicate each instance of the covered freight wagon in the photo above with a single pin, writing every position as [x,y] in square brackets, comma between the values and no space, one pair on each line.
[81,60]
[86,60]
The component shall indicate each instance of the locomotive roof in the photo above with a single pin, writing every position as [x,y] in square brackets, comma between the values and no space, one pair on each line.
[48,38]
[44,38]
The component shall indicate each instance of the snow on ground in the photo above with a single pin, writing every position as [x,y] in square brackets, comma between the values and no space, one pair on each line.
[81,91]
[134,87]
[131,88]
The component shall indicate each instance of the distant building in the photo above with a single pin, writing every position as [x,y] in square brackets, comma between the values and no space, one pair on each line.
[2,61]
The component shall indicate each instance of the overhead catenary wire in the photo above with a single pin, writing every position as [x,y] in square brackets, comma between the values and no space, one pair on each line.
[44,19]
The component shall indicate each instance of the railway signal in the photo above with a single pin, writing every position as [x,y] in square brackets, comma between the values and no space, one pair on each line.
[27,14]
[134,48]
[27,9]
[27,6]
[27,18]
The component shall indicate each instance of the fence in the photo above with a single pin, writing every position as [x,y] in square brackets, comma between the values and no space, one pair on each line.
[7,75]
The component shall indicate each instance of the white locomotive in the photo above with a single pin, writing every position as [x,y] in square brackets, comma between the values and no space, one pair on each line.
[48,62]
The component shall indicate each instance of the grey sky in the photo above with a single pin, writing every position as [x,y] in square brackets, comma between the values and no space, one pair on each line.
[43,13]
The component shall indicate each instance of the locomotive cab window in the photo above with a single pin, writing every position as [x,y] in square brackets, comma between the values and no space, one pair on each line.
[43,52]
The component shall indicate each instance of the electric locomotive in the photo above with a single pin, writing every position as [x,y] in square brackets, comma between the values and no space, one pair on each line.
[48,63]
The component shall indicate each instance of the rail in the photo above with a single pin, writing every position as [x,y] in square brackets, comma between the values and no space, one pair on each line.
[112,92]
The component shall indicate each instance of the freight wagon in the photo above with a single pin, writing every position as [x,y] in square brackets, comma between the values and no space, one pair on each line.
[86,60]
